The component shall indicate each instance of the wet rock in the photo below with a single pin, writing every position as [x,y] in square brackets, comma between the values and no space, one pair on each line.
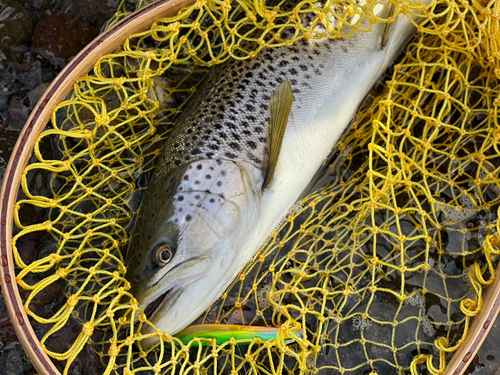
[60,36]
[17,114]
[96,10]
[30,75]
[15,361]
[16,26]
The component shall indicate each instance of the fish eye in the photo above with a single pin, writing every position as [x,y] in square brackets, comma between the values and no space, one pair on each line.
[164,254]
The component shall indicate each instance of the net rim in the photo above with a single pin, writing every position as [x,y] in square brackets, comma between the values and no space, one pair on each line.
[62,85]
[105,43]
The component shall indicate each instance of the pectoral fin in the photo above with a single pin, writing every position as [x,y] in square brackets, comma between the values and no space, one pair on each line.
[280,105]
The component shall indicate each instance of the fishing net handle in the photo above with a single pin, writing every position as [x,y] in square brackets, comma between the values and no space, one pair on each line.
[105,43]
[478,331]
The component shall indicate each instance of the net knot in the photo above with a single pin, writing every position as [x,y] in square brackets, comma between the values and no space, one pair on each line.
[54,258]
[62,273]
[88,329]
[173,27]
[102,119]
[113,350]
[150,55]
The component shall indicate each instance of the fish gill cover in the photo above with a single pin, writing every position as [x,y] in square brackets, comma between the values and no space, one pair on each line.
[382,266]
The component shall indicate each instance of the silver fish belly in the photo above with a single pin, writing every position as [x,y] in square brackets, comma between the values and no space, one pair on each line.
[206,211]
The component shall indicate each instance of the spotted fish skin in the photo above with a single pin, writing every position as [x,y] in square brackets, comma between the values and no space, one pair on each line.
[229,119]
[219,151]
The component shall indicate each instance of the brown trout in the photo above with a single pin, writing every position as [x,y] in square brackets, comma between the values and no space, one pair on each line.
[228,176]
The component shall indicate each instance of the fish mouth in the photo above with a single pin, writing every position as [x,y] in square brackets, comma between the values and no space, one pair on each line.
[152,309]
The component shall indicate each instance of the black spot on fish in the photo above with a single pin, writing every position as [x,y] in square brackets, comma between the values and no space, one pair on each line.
[258,129]
[218,126]
[264,106]
[252,145]
[317,72]
[235,146]
[252,118]
[210,154]
[263,139]
[235,136]
[249,75]
[208,177]
[218,162]
[283,63]
[220,116]
[266,97]
[223,135]
[268,57]
[186,177]
[230,155]
[196,182]
[177,162]
[214,147]
[196,151]
[212,200]
[250,107]
[253,158]
[247,133]
[181,209]
[219,183]
[188,217]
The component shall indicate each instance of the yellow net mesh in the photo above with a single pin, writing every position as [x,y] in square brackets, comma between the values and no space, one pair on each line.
[382,267]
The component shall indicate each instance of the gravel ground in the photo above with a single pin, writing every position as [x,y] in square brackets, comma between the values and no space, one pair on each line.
[37,38]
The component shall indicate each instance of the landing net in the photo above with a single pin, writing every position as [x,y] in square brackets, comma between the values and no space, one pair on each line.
[382,266]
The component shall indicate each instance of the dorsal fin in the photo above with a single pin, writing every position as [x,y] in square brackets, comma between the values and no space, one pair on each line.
[280,105]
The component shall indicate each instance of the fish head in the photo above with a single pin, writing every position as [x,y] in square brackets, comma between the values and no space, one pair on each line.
[179,237]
